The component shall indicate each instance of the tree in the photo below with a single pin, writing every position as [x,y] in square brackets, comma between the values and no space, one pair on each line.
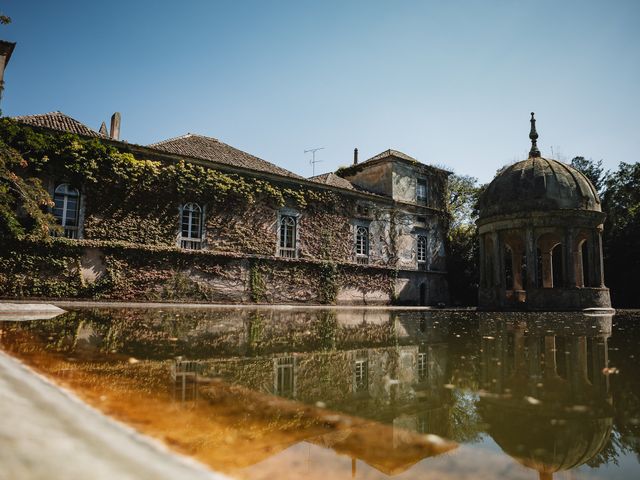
[462,196]
[462,244]
[621,202]
[23,199]
[594,171]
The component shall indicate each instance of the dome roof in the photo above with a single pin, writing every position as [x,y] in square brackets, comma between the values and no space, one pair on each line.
[538,184]
[549,442]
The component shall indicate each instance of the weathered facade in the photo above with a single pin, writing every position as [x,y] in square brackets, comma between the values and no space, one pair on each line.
[540,229]
[191,218]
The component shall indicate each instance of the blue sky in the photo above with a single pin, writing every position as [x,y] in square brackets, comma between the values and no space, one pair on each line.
[448,82]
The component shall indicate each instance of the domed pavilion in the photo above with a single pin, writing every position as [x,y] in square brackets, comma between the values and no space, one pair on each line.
[540,228]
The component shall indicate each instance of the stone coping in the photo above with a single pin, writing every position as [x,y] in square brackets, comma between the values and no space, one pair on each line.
[230,306]
[48,432]
[18,311]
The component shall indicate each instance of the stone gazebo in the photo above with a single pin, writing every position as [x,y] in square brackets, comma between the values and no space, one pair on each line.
[540,228]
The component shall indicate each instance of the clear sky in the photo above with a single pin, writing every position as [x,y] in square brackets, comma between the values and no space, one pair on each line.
[448,82]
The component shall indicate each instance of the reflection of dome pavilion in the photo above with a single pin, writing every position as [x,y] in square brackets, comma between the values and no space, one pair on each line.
[540,227]
[550,443]
[549,405]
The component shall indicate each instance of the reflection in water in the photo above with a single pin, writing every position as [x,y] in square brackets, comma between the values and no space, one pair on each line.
[550,405]
[364,384]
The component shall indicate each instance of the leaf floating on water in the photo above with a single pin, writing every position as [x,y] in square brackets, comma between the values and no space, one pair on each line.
[532,401]
[133,360]
[450,386]
[610,371]
[579,408]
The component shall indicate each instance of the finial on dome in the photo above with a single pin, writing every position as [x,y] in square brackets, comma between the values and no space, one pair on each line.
[533,135]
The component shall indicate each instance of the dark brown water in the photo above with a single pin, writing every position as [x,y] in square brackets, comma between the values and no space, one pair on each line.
[352,393]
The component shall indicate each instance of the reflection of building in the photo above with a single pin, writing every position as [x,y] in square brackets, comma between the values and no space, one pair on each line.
[548,402]
[396,388]
[540,228]
[184,374]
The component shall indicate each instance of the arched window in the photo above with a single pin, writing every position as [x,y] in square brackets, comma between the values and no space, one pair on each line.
[191,223]
[287,236]
[362,244]
[67,208]
[422,252]
[556,265]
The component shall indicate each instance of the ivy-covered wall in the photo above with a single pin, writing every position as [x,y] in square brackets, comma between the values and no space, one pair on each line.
[99,270]
[130,224]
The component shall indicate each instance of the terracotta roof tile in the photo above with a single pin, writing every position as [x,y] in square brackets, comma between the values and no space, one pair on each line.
[333,180]
[207,148]
[58,121]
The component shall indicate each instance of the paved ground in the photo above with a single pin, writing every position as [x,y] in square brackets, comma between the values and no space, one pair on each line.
[47,433]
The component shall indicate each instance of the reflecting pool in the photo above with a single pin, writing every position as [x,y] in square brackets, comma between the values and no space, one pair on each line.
[346,393]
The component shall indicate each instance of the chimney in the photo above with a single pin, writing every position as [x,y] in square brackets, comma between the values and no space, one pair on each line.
[115,126]
[6,49]
[355,156]
[103,130]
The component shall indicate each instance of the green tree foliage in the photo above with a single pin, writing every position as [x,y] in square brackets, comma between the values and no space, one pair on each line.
[23,199]
[462,245]
[620,194]
[594,171]
[621,202]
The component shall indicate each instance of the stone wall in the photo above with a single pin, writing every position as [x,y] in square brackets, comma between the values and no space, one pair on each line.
[111,271]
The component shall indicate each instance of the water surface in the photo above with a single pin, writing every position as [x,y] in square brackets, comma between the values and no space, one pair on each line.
[358,393]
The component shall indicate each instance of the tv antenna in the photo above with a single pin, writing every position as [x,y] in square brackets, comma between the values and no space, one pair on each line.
[313,160]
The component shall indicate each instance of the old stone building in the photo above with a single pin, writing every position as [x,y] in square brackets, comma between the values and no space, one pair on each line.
[269,230]
[540,228]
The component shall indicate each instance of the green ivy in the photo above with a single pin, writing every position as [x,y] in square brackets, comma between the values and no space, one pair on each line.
[257,285]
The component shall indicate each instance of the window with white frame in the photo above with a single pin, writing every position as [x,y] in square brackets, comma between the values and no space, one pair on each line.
[421,191]
[422,252]
[422,367]
[361,375]
[191,226]
[362,244]
[285,377]
[67,208]
[287,245]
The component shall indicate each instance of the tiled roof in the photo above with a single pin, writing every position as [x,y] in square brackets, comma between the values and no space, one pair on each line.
[333,180]
[58,121]
[403,156]
[392,153]
[207,148]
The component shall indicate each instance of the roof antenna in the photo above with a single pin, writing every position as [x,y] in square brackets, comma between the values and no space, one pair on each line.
[533,135]
[313,160]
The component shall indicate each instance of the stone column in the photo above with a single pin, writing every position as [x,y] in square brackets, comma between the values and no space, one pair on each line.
[532,258]
[578,261]
[483,264]
[497,262]
[599,278]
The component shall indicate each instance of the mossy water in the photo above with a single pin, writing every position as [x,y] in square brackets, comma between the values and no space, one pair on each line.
[372,393]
